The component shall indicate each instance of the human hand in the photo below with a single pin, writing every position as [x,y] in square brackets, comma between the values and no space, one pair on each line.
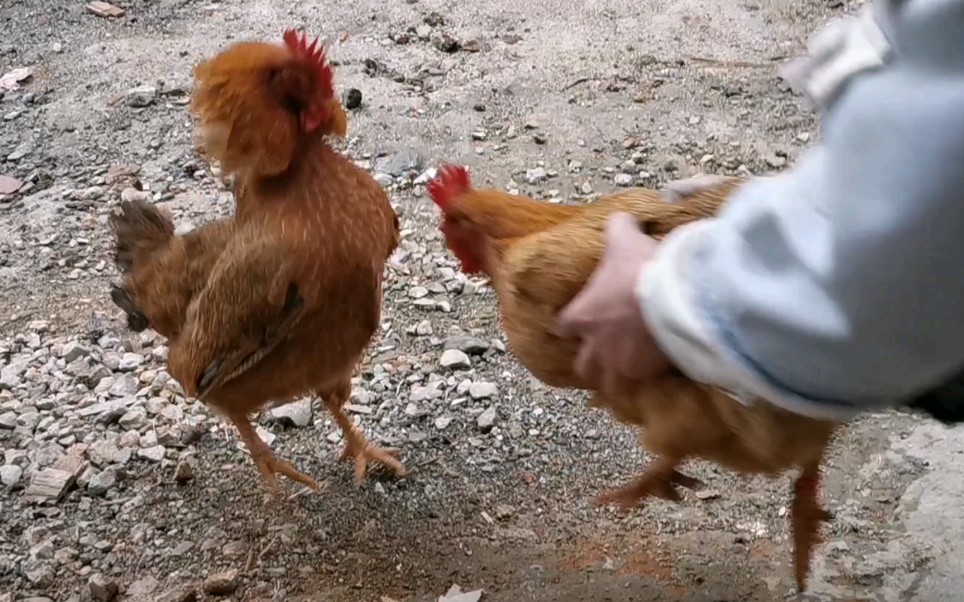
[617,347]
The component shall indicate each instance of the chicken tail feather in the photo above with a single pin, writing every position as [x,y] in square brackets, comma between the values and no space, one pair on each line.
[139,230]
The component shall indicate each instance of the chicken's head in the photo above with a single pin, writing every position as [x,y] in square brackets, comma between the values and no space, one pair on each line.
[462,237]
[255,101]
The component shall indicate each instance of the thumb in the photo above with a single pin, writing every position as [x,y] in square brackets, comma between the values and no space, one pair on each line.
[619,225]
[570,320]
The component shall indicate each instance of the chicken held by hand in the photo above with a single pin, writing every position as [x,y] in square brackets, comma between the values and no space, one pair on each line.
[539,256]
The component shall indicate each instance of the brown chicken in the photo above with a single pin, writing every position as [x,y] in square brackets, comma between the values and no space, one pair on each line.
[293,296]
[538,256]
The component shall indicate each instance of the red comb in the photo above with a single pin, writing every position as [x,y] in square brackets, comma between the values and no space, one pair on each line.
[314,55]
[451,181]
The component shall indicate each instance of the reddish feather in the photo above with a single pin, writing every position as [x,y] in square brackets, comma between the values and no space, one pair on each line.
[313,54]
[451,181]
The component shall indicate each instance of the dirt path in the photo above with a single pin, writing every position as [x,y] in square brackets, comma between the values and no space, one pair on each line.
[574,89]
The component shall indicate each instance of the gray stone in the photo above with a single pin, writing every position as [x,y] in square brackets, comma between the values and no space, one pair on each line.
[486,419]
[130,361]
[384,179]
[134,419]
[8,420]
[102,588]
[74,351]
[424,393]
[102,482]
[466,344]
[297,413]
[142,96]
[221,584]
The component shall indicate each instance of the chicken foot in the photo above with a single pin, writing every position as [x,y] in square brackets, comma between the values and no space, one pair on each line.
[661,480]
[356,444]
[264,458]
[806,515]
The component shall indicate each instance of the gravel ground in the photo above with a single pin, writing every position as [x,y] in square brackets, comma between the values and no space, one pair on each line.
[559,99]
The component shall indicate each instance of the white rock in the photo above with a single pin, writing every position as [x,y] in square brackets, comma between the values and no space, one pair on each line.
[155,454]
[455,359]
[133,195]
[10,475]
[427,175]
[623,179]
[535,176]
[423,393]
[483,390]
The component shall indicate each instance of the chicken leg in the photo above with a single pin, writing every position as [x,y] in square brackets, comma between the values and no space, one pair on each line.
[264,458]
[805,518]
[356,445]
[661,480]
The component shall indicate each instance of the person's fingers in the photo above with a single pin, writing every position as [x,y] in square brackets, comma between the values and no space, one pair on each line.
[626,361]
[585,364]
[618,388]
[576,316]
[571,320]
[619,225]
[609,382]
[626,241]
[630,358]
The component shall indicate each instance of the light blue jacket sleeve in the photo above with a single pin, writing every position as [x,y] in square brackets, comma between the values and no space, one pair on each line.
[837,286]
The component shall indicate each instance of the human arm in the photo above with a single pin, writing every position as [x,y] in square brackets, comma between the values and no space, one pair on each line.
[835,287]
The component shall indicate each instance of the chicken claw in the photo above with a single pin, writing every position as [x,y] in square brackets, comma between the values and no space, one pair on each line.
[358,447]
[269,467]
[660,480]
[364,452]
[264,459]
[806,515]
